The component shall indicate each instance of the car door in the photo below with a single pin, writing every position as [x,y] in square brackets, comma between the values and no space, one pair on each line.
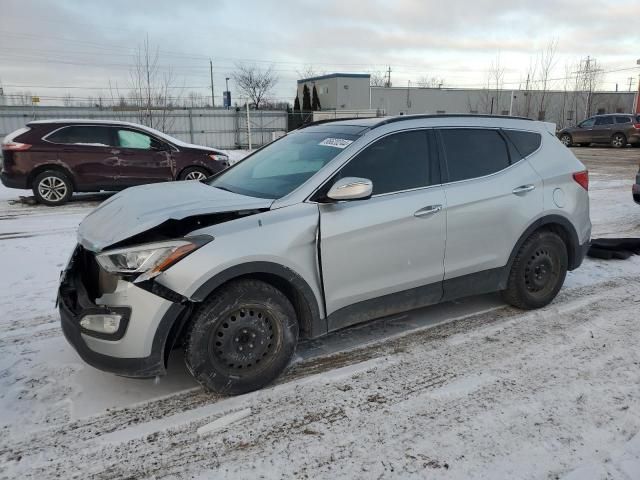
[143,158]
[601,131]
[385,254]
[583,132]
[492,197]
[89,152]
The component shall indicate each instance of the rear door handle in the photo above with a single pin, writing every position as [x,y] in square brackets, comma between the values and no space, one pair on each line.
[523,189]
[115,151]
[430,210]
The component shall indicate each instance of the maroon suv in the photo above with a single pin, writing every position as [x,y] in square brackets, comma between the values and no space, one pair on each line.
[58,157]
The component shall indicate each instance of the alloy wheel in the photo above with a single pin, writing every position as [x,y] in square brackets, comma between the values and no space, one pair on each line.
[52,189]
[195,175]
[618,141]
[566,140]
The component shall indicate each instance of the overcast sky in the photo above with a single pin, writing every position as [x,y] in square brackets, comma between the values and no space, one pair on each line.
[87,44]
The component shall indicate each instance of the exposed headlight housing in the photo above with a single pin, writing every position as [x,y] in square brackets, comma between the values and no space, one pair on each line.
[150,259]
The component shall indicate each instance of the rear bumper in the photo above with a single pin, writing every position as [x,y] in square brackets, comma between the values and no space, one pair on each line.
[140,348]
[14,181]
[579,255]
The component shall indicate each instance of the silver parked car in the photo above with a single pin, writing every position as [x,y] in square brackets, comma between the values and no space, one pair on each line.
[332,225]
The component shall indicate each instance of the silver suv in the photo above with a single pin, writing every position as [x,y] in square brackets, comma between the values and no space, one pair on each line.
[332,225]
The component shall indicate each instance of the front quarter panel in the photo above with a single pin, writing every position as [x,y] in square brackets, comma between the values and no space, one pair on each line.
[285,236]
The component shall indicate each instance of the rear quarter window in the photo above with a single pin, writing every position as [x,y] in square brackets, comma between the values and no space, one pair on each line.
[473,153]
[623,119]
[525,142]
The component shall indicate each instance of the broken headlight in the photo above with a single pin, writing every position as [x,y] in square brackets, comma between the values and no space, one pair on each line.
[150,259]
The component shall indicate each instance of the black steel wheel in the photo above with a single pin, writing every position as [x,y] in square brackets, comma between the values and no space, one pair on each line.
[242,337]
[538,271]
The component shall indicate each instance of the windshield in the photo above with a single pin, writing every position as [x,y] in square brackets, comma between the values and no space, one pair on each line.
[281,167]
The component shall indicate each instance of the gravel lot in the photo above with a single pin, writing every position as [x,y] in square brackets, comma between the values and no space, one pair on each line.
[470,389]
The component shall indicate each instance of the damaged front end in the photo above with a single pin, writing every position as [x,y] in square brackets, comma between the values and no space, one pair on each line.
[113,312]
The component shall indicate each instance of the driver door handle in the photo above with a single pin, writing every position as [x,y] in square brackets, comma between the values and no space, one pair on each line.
[430,210]
[523,189]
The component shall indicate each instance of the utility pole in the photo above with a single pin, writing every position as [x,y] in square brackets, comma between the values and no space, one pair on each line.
[630,82]
[388,77]
[213,102]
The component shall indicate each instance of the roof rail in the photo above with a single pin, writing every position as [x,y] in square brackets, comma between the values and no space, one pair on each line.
[329,120]
[400,118]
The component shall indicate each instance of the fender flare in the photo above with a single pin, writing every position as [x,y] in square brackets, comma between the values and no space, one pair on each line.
[311,322]
[575,251]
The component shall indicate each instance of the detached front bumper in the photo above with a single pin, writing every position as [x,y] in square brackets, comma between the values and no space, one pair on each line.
[141,345]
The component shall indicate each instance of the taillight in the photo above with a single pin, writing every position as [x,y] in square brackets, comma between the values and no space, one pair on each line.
[636,125]
[16,146]
[582,178]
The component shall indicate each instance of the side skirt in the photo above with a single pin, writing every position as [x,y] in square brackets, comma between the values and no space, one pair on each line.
[478,283]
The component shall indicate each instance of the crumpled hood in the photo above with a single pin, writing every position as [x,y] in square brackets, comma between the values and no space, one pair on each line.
[138,209]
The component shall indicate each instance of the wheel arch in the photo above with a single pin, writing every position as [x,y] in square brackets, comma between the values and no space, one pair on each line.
[200,167]
[292,285]
[50,166]
[557,224]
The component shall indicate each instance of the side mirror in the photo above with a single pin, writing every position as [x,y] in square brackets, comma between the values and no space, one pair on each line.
[351,188]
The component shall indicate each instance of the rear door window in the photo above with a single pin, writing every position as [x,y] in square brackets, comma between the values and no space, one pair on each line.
[472,153]
[525,142]
[604,121]
[622,119]
[82,135]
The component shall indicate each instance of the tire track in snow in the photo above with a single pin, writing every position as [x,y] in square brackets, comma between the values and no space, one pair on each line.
[69,440]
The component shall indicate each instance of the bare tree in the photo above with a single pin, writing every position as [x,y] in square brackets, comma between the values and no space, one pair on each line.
[151,87]
[378,79]
[254,82]
[67,100]
[430,82]
[308,71]
[547,60]
[495,80]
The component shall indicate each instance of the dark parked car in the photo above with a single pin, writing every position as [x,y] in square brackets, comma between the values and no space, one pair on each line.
[635,189]
[58,157]
[616,129]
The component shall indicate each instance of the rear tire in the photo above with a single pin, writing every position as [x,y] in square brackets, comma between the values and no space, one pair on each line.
[52,188]
[618,140]
[194,173]
[241,338]
[538,271]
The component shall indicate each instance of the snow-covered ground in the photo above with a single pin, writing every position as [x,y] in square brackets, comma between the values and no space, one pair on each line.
[471,389]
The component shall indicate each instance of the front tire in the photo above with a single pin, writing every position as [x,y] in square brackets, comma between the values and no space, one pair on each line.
[241,338]
[566,140]
[52,188]
[194,173]
[538,271]
[618,140]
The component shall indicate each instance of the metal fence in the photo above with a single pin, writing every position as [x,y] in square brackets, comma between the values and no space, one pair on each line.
[202,126]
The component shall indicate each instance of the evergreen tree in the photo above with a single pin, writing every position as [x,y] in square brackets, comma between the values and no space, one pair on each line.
[306,99]
[315,102]
[296,104]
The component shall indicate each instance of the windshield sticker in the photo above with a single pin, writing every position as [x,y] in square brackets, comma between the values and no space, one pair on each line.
[336,142]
